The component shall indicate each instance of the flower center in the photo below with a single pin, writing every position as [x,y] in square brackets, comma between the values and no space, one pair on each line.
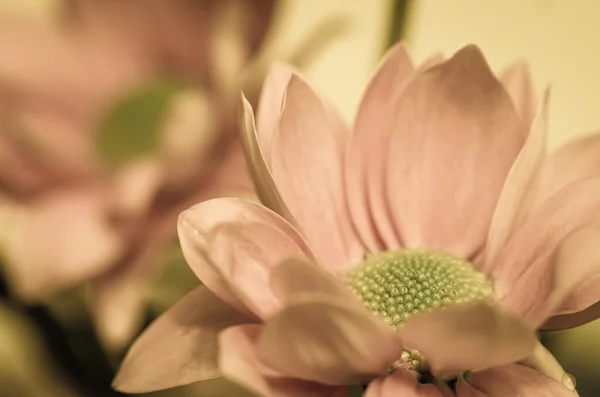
[397,284]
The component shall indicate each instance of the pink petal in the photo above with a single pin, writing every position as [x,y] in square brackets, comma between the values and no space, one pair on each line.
[45,63]
[517,380]
[261,174]
[56,139]
[518,194]
[545,285]
[366,160]
[295,277]
[468,337]
[118,310]
[575,316]
[16,172]
[61,240]
[180,347]
[464,389]
[38,145]
[196,224]
[238,361]
[517,81]
[454,141]
[577,160]
[377,184]
[574,206]
[245,254]
[400,383]
[191,131]
[270,105]
[307,150]
[229,178]
[136,186]
[329,341]
[371,120]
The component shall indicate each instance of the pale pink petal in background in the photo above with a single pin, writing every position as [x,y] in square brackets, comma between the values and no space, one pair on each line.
[63,238]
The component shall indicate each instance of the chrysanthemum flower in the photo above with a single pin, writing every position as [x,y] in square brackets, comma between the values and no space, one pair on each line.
[68,214]
[414,257]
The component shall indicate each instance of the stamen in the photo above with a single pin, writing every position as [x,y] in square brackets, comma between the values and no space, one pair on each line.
[398,284]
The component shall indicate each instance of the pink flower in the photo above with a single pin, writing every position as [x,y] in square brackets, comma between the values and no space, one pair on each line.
[441,214]
[69,216]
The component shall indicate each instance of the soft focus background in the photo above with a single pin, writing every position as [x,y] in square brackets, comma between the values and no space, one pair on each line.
[49,347]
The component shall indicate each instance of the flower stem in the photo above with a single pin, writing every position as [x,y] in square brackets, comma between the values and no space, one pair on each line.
[396,30]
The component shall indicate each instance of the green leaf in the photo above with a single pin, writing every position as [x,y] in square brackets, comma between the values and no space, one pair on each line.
[132,126]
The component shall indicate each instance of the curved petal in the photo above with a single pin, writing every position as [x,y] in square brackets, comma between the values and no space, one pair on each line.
[270,106]
[245,254]
[400,383]
[307,150]
[60,240]
[455,139]
[464,389]
[196,223]
[576,205]
[180,347]
[518,380]
[517,81]
[549,281]
[574,318]
[372,117]
[260,172]
[296,277]
[576,160]
[468,337]
[328,341]
[518,193]
[238,362]
[379,205]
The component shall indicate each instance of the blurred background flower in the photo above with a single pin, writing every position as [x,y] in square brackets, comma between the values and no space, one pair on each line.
[116,115]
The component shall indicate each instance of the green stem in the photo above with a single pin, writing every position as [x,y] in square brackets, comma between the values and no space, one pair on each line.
[396,31]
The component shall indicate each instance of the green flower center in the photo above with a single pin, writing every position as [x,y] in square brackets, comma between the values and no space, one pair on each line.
[398,284]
